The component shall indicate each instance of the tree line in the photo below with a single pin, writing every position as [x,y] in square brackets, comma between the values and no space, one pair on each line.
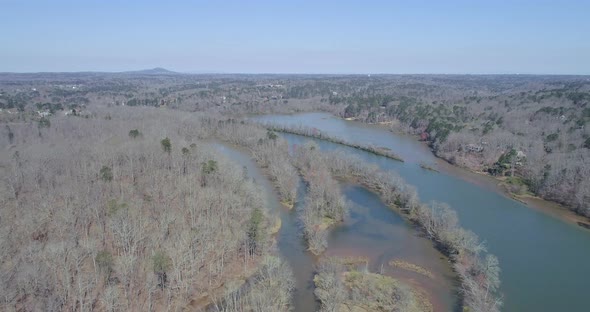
[478,270]
[135,212]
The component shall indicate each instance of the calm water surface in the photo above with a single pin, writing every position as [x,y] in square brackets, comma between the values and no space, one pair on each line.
[291,245]
[375,231]
[544,261]
[371,230]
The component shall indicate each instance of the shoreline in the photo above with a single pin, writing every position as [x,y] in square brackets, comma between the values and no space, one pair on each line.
[416,226]
[275,225]
[549,207]
[483,179]
[377,150]
[423,283]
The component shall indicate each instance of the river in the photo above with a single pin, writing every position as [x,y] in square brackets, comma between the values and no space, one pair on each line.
[544,260]
[378,233]
[371,230]
[291,245]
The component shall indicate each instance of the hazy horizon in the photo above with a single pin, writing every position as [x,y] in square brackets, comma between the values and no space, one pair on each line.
[264,37]
[287,73]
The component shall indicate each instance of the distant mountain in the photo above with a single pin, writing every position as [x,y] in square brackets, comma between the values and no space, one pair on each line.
[153,71]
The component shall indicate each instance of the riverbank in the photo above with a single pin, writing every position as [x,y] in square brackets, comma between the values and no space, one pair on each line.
[382,235]
[314,133]
[495,184]
[437,221]
[518,235]
[288,244]
[490,182]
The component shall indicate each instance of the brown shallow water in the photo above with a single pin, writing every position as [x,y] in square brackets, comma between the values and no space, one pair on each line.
[374,231]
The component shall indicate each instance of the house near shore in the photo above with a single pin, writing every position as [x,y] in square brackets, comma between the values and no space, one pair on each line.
[73,112]
[520,158]
[44,113]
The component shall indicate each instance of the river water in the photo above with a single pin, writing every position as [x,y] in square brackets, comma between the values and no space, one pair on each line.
[544,260]
[371,230]
[374,231]
[291,245]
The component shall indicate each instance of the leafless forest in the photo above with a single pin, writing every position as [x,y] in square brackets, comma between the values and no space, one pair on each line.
[133,212]
[112,198]
[479,271]
[530,131]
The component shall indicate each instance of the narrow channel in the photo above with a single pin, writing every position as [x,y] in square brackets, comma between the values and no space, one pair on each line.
[371,230]
[290,243]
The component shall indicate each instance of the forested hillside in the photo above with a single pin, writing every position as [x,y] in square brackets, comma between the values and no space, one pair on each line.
[114,199]
[533,130]
[130,212]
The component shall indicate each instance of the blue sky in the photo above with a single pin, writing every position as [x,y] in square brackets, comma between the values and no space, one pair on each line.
[527,37]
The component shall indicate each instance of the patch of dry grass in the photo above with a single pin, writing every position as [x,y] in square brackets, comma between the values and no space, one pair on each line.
[411,267]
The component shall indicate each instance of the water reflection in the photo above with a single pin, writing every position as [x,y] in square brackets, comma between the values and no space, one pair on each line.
[536,251]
